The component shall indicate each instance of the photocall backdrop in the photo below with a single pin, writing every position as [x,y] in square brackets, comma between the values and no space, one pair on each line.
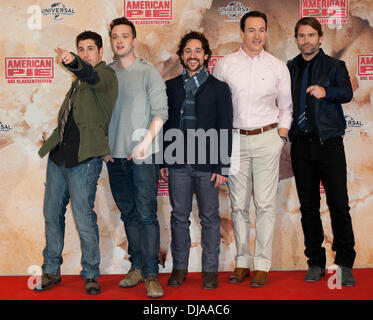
[33,87]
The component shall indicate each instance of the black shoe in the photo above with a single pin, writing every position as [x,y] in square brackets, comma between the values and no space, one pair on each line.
[47,281]
[348,279]
[177,278]
[92,286]
[314,274]
[210,280]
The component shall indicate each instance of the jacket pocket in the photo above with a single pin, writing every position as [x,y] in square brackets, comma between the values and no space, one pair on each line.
[93,137]
[334,143]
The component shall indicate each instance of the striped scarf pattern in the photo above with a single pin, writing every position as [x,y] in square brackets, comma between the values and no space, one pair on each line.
[188,116]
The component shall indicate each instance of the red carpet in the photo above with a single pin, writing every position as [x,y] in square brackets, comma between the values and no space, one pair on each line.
[283,285]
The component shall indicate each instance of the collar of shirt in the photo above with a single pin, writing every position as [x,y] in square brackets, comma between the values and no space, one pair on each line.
[303,61]
[244,55]
[129,68]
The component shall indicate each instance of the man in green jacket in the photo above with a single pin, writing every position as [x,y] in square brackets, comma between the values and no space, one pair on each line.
[76,148]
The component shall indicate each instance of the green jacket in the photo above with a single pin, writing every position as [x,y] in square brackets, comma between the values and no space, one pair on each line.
[93,106]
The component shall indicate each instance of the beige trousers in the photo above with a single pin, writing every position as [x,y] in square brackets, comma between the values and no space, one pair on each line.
[254,170]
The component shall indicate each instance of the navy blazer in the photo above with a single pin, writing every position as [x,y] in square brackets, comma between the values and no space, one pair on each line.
[214,111]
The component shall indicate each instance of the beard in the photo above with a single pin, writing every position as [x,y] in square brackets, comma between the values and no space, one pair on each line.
[193,69]
[310,50]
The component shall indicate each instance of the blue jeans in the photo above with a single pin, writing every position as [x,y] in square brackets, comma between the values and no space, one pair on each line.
[184,182]
[78,184]
[134,188]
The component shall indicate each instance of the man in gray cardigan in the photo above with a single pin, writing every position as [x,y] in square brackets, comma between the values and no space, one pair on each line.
[138,116]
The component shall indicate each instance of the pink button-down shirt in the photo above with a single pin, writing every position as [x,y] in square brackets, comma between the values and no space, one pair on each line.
[261,89]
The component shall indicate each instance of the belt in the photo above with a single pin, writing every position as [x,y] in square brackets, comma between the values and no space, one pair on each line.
[258,131]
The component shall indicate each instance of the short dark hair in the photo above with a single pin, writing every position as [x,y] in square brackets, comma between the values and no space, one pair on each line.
[198,36]
[251,14]
[309,21]
[125,21]
[85,35]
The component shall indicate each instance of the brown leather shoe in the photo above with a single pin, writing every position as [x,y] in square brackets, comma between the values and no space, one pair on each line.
[239,274]
[47,281]
[260,279]
[92,286]
[153,287]
[133,278]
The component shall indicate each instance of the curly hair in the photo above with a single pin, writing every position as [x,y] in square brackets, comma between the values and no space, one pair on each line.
[198,36]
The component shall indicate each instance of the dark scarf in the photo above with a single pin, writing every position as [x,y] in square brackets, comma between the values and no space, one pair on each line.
[188,116]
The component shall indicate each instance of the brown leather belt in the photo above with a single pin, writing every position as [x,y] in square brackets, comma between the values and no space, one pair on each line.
[259,130]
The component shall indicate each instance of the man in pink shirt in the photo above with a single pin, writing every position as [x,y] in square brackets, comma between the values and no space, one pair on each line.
[262,115]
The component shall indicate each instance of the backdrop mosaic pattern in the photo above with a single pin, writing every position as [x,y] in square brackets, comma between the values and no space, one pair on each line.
[32,91]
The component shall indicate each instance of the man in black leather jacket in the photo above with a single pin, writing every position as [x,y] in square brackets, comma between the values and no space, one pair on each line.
[320,84]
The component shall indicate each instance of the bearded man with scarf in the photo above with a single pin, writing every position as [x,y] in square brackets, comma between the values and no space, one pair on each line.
[200,108]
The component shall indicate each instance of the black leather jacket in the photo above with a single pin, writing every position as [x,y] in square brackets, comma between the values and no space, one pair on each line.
[331,74]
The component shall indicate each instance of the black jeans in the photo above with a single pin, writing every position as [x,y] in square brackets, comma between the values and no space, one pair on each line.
[313,161]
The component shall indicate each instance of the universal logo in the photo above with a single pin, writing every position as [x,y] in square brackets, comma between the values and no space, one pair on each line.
[352,123]
[58,11]
[234,10]
[4,127]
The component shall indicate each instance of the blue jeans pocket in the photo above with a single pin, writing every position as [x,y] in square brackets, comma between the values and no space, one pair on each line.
[94,168]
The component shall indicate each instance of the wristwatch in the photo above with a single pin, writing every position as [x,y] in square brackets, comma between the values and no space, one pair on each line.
[284,139]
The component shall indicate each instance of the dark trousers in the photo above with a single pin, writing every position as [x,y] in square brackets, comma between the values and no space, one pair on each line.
[313,161]
[184,182]
[134,188]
